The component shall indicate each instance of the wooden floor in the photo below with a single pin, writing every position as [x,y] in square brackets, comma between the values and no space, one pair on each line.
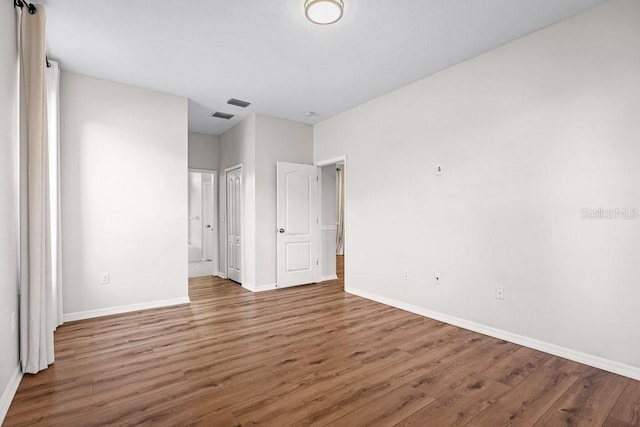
[306,355]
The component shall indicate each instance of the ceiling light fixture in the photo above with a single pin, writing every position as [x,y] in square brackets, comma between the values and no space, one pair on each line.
[323,12]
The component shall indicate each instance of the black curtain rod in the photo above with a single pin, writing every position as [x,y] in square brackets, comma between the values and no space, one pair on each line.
[32,10]
[22,3]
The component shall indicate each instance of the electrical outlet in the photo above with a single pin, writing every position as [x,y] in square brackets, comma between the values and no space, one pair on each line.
[499,292]
[436,280]
[105,279]
[13,322]
[406,275]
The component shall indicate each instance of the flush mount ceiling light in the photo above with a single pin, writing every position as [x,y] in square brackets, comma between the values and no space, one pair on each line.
[323,12]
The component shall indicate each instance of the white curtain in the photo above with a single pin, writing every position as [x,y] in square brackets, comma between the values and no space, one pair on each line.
[340,233]
[55,219]
[36,288]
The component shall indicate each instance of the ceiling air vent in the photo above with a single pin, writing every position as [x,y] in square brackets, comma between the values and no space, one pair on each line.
[221,115]
[238,103]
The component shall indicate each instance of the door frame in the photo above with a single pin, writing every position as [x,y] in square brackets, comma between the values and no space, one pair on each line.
[333,161]
[226,221]
[216,239]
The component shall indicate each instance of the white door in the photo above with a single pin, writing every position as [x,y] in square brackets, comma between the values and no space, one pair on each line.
[234,224]
[297,224]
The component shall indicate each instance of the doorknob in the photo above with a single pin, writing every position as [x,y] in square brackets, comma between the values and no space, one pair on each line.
[281,230]
[208,225]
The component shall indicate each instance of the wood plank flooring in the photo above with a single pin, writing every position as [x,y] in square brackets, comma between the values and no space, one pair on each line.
[310,355]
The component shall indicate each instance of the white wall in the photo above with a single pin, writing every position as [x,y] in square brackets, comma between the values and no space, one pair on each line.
[9,229]
[204,151]
[328,221]
[124,194]
[259,142]
[528,135]
[237,145]
[277,140]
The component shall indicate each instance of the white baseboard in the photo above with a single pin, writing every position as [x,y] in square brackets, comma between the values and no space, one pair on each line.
[567,353]
[259,288]
[248,286]
[221,275]
[9,392]
[80,315]
[262,288]
[327,278]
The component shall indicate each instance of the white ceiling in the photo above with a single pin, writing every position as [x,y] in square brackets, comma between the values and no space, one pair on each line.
[267,53]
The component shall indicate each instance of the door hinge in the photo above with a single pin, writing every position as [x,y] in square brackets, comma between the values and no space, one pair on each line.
[317,178]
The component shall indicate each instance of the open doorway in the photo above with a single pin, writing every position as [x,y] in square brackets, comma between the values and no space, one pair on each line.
[332,219]
[202,248]
[340,171]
